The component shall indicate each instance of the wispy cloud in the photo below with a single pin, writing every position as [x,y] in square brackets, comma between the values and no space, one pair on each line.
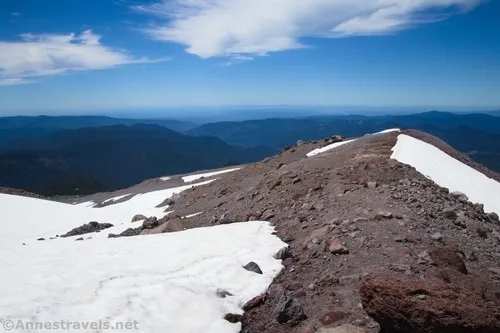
[41,55]
[239,28]
[16,14]
[13,81]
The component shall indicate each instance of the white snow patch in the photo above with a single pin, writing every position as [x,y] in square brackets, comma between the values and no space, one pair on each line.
[327,148]
[117,198]
[166,282]
[37,218]
[448,172]
[389,130]
[192,215]
[191,178]
[165,178]
[341,143]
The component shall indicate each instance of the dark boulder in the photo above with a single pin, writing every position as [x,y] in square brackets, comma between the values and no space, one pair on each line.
[150,223]
[253,267]
[289,310]
[87,228]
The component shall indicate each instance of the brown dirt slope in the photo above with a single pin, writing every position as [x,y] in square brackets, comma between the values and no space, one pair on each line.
[347,213]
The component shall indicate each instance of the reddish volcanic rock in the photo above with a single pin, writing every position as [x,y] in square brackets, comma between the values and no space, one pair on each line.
[405,304]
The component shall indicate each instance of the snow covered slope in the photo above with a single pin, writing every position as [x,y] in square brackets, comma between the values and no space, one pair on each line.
[35,218]
[192,178]
[448,172]
[164,282]
[327,148]
[338,144]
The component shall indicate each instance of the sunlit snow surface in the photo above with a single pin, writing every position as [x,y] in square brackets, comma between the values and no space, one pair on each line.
[192,178]
[327,148]
[117,198]
[165,282]
[26,219]
[448,172]
[341,143]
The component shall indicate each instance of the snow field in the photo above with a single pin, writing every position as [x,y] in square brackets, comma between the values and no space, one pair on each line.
[166,282]
[448,172]
[341,143]
[192,178]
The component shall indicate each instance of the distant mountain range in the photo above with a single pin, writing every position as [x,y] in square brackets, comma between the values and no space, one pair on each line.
[21,126]
[475,134]
[278,133]
[70,155]
[111,157]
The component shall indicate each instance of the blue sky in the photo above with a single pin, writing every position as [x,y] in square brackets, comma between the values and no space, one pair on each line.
[59,56]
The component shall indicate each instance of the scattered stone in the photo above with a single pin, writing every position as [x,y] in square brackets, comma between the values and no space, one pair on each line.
[127,233]
[461,222]
[450,213]
[138,217]
[224,219]
[437,236]
[290,310]
[493,217]
[79,239]
[87,228]
[424,258]
[233,318]
[371,185]
[41,239]
[150,223]
[331,317]
[384,215]
[253,267]
[253,303]
[276,291]
[283,253]
[460,196]
[221,293]
[337,248]
[299,143]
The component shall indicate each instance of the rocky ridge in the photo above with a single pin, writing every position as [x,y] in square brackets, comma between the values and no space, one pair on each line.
[363,231]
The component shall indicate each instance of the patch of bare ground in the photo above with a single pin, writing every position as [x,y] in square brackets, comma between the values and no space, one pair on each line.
[23,193]
[347,214]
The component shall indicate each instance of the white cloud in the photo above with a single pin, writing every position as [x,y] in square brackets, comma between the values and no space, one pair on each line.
[252,28]
[13,81]
[41,55]
[16,14]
